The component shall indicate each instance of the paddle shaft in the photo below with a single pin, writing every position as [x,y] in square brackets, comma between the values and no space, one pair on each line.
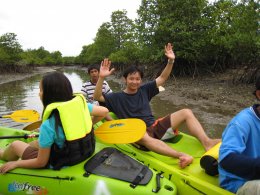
[26,136]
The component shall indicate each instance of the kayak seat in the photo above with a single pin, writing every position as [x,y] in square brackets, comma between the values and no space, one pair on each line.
[110,162]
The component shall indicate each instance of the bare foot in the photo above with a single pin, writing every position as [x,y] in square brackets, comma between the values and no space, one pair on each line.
[211,143]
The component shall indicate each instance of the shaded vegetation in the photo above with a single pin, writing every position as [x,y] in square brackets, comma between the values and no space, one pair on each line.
[208,39]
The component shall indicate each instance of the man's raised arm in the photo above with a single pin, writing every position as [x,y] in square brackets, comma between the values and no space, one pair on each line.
[103,73]
[168,68]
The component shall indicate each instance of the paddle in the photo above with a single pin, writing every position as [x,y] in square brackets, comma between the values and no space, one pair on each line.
[119,131]
[33,126]
[23,116]
[26,136]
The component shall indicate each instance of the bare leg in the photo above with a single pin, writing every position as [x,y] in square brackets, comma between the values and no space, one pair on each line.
[14,151]
[108,117]
[96,119]
[34,144]
[162,148]
[194,127]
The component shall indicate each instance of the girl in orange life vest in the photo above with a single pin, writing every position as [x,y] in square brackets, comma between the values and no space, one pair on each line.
[54,87]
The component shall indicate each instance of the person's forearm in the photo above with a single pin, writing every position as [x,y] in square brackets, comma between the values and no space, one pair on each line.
[167,70]
[165,73]
[98,90]
[31,163]
[241,165]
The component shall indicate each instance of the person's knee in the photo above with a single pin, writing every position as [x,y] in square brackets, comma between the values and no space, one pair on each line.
[144,140]
[187,113]
[10,154]
[15,144]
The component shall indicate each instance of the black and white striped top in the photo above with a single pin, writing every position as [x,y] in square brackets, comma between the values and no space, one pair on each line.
[88,89]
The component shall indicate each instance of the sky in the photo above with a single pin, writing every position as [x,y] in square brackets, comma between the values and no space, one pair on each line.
[59,25]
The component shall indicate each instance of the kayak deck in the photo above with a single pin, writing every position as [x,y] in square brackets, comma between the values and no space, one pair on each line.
[72,179]
[190,180]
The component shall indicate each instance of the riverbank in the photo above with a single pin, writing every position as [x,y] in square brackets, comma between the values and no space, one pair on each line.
[214,100]
[9,77]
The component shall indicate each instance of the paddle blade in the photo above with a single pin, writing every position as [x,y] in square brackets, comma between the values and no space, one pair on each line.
[121,131]
[24,116]
[33,126]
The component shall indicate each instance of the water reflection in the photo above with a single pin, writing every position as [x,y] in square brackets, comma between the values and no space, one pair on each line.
[76,76]
[19,94]
[24,94]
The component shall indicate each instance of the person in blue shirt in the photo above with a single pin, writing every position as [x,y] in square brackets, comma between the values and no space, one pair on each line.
[239,154]
[134,102]
[59,103]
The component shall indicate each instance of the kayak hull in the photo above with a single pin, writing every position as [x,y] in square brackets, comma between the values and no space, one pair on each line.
[71,180]
[190,180]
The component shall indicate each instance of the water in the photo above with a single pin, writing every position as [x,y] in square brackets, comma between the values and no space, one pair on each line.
[23,94]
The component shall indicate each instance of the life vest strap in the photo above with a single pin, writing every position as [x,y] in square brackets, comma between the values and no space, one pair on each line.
[73,152]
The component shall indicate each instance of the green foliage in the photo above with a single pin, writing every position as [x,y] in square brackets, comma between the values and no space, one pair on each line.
[104,45]
[230,35]
[122,28]
[42,57]
[4,57]
[206,37]
[114,39]
[10,51]
[57,57]
[70,60]
[147,21]
[129,54]
[13,58]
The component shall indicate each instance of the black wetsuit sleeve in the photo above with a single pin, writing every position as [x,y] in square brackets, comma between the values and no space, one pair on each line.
[241,165]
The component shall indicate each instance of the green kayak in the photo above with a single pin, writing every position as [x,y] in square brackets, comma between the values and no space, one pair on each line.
[190,180]
[116,174]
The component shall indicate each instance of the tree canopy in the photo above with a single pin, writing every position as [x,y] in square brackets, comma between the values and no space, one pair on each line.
[207,38]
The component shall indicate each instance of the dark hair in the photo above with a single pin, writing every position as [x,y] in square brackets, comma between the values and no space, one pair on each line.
[93,66]
[132,70]
[56,88]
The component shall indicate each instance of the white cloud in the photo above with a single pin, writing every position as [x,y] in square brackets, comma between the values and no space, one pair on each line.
[64,25]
